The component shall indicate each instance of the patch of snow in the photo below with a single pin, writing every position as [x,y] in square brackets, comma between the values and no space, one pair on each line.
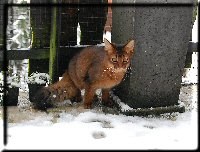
[123,106]
[102,44]
[39,78]
[107,35]
[13,81]
[21,17]
[77,46]
[1,78]
[107,131]
[78,34]
[195,29]
[191,75]
[28,49]
[99,92]
[23,101]
[60,78]
[75,132]
[82,92]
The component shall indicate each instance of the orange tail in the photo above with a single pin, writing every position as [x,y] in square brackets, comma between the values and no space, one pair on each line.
[64,89]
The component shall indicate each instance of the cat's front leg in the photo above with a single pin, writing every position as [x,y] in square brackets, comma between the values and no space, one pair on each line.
[89,96]
[106,100]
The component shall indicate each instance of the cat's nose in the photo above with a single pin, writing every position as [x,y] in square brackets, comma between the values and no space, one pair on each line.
[120,65]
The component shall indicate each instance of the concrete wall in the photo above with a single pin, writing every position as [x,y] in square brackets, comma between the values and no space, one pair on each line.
[122,31]
[162,35]
[122,22]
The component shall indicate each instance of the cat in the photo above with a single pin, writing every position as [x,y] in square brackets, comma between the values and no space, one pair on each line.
[95,67]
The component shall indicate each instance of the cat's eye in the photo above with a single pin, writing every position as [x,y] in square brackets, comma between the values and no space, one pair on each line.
[125,61]
[114,60]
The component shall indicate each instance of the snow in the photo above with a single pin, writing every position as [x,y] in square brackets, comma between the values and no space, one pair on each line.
[38,78]
[107,35]
[93,130]
[123,106]
[195,26]
[192,73]
[78,34]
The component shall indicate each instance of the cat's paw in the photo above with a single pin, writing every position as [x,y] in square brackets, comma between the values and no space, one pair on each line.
[109,103]
[76,99]
[87,105]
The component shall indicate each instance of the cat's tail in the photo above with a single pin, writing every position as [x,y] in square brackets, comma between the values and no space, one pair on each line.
[48,97]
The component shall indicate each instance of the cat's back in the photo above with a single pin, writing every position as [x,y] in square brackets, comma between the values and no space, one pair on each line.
[89,55]
[92,52]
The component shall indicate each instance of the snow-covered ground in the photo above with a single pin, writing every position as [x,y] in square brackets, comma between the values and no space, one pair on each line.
[92,129]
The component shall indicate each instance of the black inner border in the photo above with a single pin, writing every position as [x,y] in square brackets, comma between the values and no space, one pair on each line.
[5,18]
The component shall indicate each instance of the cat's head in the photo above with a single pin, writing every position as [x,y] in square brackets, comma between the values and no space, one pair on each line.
[119,58]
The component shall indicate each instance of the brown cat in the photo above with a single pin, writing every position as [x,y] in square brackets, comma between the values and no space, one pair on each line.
[93,68]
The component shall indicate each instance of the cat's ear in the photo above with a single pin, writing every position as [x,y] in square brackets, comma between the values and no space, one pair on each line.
[108,46]
[129,47]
